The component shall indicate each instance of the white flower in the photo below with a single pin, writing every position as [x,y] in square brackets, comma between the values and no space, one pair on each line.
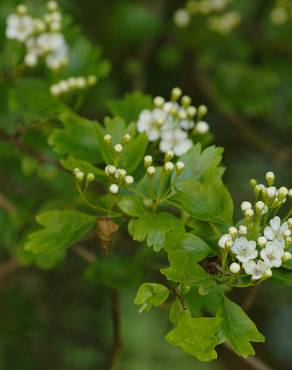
[276,231]
[272,254]
[224,238]
[175,140]
[244,249]
[255,269]
[19,27]
[54,46]
[182,17]
[151,122]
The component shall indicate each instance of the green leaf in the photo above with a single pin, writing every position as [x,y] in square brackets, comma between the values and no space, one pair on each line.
[132,205]
[131,106]
[153,227]
[287,265]
[115,272]
[238,328]
[61,230]
[185,269]
[133,153]
[187,242]
[196,336]
[151,295]
[282,276]
[206,200]
[199,163]
[77,138]
[30,99]
[70,163]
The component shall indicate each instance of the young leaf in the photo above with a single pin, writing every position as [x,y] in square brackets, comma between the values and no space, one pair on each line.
[196,336]
[153,227]
[238,328]
[206,200]
[70,163]
[133,153]
[132,205]
[187,242]
[131,106]
[61,230]
[151,295]
[185,269]
[77,138]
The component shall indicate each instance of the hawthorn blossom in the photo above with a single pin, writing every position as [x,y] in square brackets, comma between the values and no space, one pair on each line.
[255,269]
[54,46]
[272,254]
[151,122]
[276,231]
[176,140]
[19,27]
[244,249]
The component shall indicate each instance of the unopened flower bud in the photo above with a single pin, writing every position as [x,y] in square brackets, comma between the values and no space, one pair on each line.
[126,139]
[258,189]
[114,189]
[186,101]
[287,233]
[271,192]
[151,171]
[235,267]
[129,180]
[168,155]
[283,192]
[79,176]
[31,60]
[55,90]
[179,167]
[268,273]
[253,182]
[76,170]
[232,231]
[168,167]
[80,82]
[107,139]
[249,213]
[223,240]
[90,177]
[120,173]
[52,6]
[176,93]
[270,178]
[191,111]
[259,207]
[118,148]
[110,170]
[242,230]
[91,80]
[229,244]
[202,111]
[262,241]
[148,160]
[158,101]
[21,9]
[202,127]
[287,256]
[245,206]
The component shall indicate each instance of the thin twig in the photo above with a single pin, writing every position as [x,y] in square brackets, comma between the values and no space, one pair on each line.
[254,362]
[84,253]
[249,300]
[24,148]
[6,204]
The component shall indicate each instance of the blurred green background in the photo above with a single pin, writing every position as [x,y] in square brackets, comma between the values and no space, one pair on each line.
[57,319]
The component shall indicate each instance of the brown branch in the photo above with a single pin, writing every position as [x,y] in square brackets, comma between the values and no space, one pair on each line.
[251,295]
[254,362]
[180,298]
[84,254]
[24,148]
[6,204]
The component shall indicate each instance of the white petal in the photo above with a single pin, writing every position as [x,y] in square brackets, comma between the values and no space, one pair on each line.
[275,223]
[182,147]
[269,233]
[165,145]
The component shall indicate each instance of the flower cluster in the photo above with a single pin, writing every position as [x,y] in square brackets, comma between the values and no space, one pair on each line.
[118,176]
[281,12]
[219,19]
[42,37]
[262,240]
[171,121]
[72,84]
[168,166]
[80,176]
